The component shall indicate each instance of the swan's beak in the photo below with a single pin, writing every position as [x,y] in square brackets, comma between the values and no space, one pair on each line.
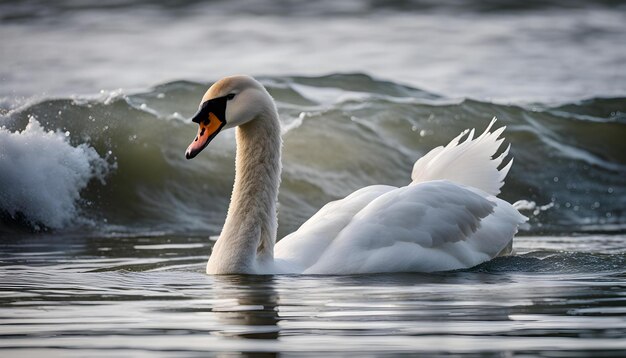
[209,125]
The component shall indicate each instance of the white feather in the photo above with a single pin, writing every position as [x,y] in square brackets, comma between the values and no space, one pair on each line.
[448,218]
[433,226]
[469,162]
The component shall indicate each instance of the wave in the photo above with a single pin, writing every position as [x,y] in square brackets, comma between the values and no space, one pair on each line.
[42,175]
[119,158]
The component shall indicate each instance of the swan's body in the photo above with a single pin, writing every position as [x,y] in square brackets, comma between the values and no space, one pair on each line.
[447,218]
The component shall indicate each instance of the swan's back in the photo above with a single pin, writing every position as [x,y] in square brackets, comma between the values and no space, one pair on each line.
[447,218]
[433,226]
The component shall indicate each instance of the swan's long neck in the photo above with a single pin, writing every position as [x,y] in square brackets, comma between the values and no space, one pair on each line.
[246,244]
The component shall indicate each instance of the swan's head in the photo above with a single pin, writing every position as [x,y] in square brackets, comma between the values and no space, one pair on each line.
[230,102]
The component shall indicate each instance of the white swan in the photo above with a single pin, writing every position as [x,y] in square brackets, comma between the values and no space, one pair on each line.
[447,218]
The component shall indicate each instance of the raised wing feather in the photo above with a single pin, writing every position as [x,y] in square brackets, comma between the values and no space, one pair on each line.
[468,163]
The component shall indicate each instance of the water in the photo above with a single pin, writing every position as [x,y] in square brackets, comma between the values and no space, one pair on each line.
[76,295]
[569,158]
[541,50]
[104,226]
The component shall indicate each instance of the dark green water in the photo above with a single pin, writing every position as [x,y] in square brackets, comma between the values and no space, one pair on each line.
[119,163]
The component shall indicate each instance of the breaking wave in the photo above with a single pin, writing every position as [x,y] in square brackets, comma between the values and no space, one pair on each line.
[117,160]
[42,175]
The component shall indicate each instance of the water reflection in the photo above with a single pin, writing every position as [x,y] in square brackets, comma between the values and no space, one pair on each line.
[250,306]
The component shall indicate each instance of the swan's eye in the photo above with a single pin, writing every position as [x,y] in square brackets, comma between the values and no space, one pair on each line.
[230,96]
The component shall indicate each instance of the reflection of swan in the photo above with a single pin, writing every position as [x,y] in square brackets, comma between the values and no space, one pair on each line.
[447,218]
[250,311]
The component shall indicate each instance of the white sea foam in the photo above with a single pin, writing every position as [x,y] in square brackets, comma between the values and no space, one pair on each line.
[42,175]
[525,205]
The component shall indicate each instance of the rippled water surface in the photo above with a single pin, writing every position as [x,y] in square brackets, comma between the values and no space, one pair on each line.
[103,296]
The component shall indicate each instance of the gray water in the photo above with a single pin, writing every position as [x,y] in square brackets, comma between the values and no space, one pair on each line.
[105,228]
[539,50]
[134,296]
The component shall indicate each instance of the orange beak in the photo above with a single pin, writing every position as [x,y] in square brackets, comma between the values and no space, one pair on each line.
[207,130]
[211,118]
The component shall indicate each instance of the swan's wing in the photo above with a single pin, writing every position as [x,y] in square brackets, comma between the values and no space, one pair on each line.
[302,248]
[424,227]
[468,163]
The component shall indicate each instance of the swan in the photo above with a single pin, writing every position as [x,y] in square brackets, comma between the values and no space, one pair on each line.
[448,217]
